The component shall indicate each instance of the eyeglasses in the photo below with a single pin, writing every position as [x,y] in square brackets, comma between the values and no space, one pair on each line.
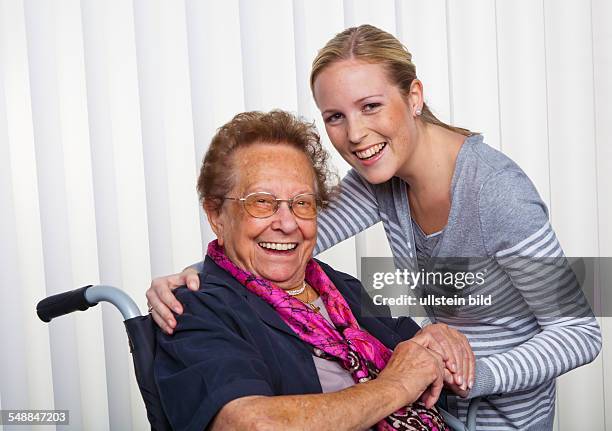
[263,204]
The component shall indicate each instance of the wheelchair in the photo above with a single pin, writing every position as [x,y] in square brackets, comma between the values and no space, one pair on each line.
[142,341]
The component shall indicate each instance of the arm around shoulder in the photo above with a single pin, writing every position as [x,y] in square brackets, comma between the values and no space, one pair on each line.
[353,211]
[205,364]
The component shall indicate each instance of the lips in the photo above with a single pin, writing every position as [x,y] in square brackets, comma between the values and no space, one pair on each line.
[370,152]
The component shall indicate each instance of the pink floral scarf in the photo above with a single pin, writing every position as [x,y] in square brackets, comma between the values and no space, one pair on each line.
[354,348]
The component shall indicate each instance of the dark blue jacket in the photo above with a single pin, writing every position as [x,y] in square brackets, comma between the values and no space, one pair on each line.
[229,343]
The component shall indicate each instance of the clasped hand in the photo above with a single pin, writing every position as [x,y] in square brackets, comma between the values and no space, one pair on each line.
[456,352]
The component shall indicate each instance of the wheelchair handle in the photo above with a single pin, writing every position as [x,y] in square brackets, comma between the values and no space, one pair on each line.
[83,298]
[455,424]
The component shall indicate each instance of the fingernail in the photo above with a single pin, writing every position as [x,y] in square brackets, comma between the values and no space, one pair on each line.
[177,310]
[192,285]
[459,380]
[453,368]
[471,383]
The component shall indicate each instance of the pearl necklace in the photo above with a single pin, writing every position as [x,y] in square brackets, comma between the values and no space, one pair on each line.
[297,291]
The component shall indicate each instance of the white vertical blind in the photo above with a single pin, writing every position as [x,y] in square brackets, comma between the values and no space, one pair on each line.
[268,74]
[28,368]
[472,53]
[167,134]
[573,179]
[601,15]
[380,13]
[571,125]
[422,27]
[522,88]
[13,368]
[119,185]
[107,106]
[602,70]
[63,165]
[215,63]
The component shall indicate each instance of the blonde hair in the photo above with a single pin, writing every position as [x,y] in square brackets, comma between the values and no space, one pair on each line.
[373,45]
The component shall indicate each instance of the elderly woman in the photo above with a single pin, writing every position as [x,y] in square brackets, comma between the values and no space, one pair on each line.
[274,339]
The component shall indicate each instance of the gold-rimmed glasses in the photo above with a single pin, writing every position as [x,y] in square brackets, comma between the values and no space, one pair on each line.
[264,204]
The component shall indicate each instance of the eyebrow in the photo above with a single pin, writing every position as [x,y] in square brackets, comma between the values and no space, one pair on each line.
[356,101]
[367,97]
[258,189]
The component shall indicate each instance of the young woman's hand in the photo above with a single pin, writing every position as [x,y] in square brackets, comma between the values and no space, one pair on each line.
[161,300]
[457,354]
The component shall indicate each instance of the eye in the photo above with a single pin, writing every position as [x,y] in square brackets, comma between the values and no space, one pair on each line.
[260,201]
[333,118]
[305,201]
[371,106]
[265,201]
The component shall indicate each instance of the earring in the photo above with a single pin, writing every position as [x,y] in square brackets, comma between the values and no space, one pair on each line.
[418,111]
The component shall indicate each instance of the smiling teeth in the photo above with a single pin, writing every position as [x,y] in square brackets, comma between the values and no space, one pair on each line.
[370,151]
[278,245]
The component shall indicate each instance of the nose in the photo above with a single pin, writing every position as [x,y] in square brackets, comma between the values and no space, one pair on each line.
[284,219]
[355,130]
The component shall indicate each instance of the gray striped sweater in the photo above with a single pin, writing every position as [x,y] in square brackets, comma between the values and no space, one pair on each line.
[524,339]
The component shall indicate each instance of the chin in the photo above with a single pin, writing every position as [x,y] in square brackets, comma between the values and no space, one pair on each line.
[375,176]
[278,275]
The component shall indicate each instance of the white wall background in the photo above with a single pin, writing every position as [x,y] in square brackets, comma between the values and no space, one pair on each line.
[106,107]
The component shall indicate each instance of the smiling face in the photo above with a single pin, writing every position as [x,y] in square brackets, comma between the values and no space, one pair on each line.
[250,242]
[368,120]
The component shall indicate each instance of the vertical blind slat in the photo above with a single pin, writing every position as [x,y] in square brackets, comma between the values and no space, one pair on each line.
[473,59]
[19,142]
[573,180]
[80,212]
[42,33]
[422,28]
[268,73]
[522,89]
[167,133]
[215,63]
[602,58]
[13,373]
[119,186]
[380,13]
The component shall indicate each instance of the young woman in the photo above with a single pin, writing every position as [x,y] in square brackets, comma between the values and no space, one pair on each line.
[442,193]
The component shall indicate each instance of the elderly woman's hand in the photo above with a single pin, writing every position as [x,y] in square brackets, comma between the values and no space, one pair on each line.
[418,372]
[457,354]
[161,300]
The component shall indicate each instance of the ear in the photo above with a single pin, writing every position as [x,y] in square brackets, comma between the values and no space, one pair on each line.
[213,214]
[415,96]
